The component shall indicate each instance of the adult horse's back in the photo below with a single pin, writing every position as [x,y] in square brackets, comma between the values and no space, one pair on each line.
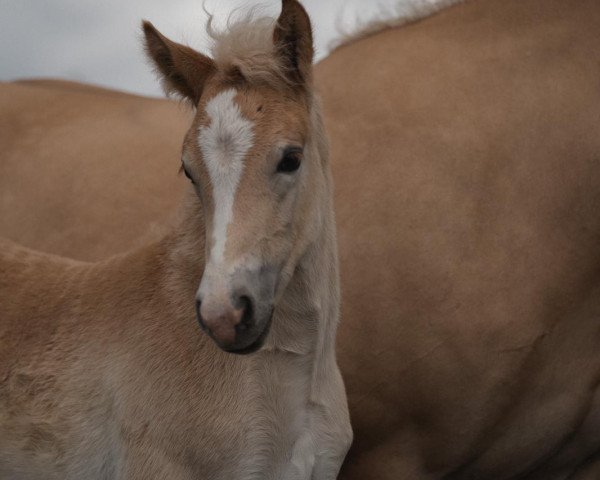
[85,171]
[467,172]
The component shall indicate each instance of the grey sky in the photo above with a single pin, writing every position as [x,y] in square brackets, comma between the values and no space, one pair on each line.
[99,41]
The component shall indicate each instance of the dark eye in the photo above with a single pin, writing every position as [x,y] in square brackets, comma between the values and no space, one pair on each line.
[187,174]
[291,160]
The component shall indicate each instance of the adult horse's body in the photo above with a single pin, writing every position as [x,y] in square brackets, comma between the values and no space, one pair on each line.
[465,153]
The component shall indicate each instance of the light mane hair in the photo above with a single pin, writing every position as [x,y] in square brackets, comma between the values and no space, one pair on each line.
[246,44]
[403,13]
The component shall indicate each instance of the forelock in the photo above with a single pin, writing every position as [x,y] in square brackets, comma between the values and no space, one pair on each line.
[245,48]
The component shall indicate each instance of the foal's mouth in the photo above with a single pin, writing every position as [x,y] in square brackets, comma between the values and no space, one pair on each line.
[257,343]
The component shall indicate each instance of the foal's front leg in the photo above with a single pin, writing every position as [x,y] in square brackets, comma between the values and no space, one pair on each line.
[331,430]
[327,464]
[319,453]
[306,464]
[145,462]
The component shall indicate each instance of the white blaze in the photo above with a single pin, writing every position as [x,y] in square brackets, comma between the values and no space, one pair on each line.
[224,144]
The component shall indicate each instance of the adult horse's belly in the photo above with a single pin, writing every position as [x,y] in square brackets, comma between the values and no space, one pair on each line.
[465,152]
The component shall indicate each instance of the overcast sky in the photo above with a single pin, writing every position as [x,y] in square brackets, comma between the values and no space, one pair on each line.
[99,41]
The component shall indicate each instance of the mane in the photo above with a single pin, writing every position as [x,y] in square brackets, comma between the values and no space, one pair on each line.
[402,13]
[246,45]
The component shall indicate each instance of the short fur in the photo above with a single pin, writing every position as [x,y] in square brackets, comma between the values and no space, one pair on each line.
[465,157]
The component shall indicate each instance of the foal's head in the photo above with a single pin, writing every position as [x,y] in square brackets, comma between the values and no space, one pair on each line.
[255,155]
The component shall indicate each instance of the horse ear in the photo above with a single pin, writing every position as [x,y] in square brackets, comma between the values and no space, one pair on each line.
[183,69]
[293,41]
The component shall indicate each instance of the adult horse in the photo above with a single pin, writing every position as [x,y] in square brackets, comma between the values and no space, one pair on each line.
[465,156]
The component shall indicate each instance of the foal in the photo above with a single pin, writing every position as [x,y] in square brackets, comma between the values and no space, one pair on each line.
[104,373]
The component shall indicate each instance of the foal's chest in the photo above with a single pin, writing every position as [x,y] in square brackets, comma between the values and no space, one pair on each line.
[279,439]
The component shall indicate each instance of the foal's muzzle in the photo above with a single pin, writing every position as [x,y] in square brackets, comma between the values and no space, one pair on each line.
[234,306]
[235,326]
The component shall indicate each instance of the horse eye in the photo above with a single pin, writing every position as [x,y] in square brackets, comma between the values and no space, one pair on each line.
[187,174]
[290,162]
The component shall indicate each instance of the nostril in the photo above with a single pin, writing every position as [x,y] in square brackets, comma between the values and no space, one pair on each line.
[245,304]
[198,315]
